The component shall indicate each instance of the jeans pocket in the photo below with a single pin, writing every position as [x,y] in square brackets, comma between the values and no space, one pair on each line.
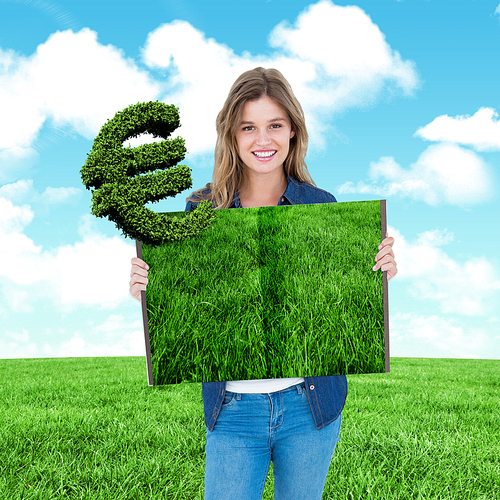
[229,399]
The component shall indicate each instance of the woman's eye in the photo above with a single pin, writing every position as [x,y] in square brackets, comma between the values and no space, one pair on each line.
[276,125]
[247,128]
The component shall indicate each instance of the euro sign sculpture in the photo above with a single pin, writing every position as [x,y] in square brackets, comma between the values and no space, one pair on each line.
[120,193]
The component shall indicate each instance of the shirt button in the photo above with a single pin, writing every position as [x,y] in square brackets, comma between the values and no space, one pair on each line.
[311,387]
[282,200]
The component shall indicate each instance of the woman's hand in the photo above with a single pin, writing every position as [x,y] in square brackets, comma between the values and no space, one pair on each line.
[385,258]
[139,277]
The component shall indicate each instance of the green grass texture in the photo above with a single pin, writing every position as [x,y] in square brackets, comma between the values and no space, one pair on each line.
[269,292]
[91,428]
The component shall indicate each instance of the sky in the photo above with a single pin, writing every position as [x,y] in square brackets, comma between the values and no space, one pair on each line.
[401,103]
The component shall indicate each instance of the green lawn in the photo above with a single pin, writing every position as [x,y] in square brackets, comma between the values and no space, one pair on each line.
[269,292]
[91,428]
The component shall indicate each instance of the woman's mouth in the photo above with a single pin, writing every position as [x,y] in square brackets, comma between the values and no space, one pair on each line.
[264,154]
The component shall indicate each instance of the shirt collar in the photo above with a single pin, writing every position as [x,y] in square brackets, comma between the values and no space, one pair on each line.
[288,195]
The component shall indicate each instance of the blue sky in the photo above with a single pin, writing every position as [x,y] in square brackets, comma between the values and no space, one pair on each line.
[401,102]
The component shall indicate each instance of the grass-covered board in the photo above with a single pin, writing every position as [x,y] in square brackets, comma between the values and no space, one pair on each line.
[269,292]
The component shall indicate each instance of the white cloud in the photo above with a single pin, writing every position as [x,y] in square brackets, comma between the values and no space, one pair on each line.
[481,130]
[93,81]
[15,162]
[469,288]
[21,337]
[14,219]
[18,191]
[348,47]
[93,271]
[117,335]
[443,174]
[18,345]
[497,10]
[53,196]
[27,273]
[415,335]
[7,58]
[437,237]
[311,58]
[72,81]
[23,190]
[197,70]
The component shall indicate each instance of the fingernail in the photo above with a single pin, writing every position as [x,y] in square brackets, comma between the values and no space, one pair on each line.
[373,268]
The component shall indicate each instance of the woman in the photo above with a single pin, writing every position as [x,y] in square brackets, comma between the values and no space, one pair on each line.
[295,422]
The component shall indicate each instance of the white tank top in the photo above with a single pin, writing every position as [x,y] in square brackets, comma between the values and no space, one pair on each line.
[261,385]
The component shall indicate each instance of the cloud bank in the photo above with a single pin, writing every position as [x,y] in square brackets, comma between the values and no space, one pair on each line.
[481,131]
[469,288]
[92,272]
[443,174]
[23,190]
[334,57]
[412,334]
[455,308]
[71,81]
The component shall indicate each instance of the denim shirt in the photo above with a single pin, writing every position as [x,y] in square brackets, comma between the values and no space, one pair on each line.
[326,394]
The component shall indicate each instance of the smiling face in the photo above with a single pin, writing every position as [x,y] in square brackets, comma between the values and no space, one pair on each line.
[263,137]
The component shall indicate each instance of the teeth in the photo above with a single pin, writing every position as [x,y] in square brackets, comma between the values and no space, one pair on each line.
[264,155]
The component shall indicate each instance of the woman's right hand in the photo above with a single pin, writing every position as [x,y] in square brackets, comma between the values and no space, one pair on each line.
[139,277]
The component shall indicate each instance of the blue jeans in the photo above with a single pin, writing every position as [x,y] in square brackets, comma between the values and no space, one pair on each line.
[252,430]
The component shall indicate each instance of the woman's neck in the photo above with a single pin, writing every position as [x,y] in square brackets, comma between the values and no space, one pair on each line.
[262,191]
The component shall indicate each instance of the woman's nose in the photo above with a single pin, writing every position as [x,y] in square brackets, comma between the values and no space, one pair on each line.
[263,138]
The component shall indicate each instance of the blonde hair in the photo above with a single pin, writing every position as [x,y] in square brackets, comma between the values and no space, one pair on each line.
[228,167]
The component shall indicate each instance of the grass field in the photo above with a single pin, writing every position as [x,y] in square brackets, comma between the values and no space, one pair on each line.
[91,428]
[269,292]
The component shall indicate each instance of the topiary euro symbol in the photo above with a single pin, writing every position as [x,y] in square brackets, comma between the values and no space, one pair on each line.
[120,193]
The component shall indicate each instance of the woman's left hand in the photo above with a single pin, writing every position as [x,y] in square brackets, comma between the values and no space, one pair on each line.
[385,258]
